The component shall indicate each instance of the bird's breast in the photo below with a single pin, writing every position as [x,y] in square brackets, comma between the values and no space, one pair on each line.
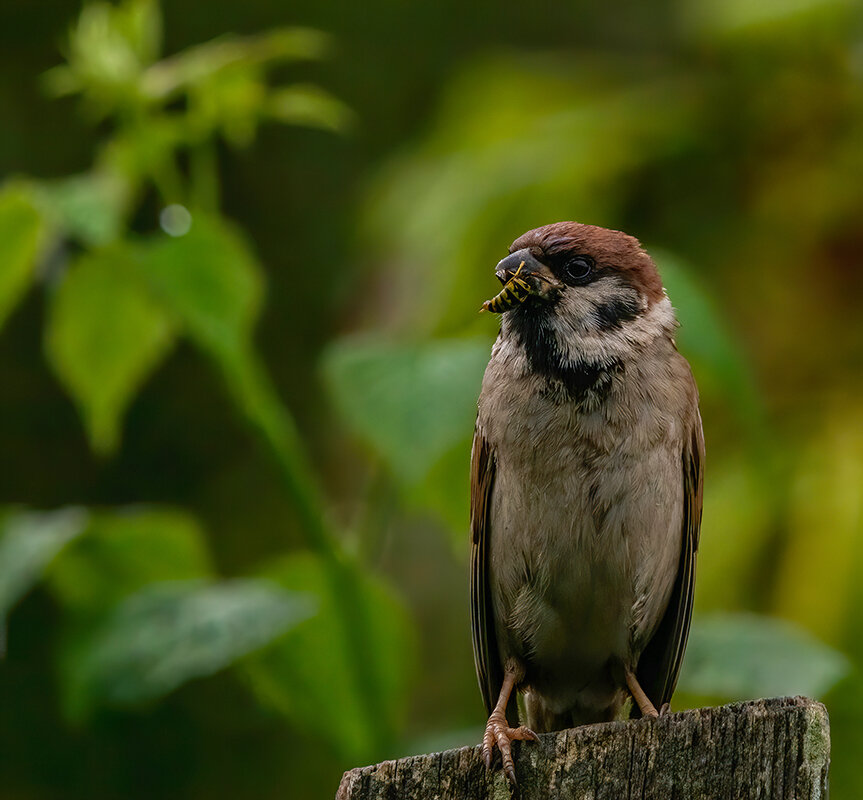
[585,509]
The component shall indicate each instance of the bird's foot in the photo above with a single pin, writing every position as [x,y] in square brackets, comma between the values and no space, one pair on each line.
[497,732]
[664,709]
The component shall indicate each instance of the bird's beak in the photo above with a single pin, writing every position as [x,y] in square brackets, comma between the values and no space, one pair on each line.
[530,269]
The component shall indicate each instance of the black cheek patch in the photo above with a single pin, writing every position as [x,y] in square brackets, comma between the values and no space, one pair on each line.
[615,312]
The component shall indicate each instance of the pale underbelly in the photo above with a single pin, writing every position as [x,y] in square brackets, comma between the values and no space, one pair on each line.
[565,585]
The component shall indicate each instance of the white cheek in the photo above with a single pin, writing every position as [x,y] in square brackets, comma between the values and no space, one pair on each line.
[579,336]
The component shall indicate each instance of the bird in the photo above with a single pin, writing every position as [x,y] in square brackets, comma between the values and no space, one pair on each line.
[586,490]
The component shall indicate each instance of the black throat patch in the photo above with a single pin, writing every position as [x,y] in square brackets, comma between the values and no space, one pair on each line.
[580,380]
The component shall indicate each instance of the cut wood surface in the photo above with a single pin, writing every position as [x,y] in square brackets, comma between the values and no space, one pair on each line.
[778,748]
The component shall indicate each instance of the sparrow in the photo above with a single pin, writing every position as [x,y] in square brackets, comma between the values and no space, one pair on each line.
[586,489]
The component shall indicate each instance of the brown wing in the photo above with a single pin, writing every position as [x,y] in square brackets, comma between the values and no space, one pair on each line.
[489,671]
[660,662]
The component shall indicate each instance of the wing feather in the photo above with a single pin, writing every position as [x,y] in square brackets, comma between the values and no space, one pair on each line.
[489,671]
[659,665]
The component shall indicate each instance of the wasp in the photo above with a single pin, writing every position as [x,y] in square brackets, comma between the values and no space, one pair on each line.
[515,291]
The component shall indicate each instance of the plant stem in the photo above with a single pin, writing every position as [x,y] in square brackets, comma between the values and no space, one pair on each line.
[257,399]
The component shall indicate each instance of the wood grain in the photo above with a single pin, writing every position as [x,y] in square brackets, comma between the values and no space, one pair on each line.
[778,748]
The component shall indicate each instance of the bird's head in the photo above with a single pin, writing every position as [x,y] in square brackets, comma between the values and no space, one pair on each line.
[595,294]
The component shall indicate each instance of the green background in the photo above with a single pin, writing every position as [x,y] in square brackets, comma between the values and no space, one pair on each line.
[233,464]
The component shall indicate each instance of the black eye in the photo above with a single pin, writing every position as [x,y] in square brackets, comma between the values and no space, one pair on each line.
[576,268]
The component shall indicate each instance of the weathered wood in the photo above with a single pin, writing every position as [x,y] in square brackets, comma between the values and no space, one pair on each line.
[776,748]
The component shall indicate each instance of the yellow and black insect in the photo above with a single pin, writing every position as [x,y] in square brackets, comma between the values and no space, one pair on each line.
[515,291]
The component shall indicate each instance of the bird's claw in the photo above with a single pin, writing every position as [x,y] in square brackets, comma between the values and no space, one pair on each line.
[664,709]
[497,732]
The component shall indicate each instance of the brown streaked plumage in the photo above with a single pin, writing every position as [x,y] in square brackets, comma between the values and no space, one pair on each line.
[585,490]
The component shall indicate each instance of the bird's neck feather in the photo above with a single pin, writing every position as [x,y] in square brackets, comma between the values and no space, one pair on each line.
[583,353]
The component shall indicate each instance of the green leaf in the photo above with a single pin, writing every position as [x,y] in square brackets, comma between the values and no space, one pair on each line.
[108,49]
[123,552]
[231,103]
[105,334]
[745,656]
[200,64]
[211,281]
[311,675]
[411,402]
[20,231]
[310,106]
[29,541]
[169,633]
[140,24]
[89,207]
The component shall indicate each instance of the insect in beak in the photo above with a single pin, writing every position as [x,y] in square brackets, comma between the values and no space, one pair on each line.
[514,292]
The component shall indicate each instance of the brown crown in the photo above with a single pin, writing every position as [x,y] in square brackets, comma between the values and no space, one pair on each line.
[611,250]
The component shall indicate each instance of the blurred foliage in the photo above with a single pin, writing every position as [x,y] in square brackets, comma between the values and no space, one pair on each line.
[144,611]
[426,393]
[170,632]
[240,625]
[30,541]
[744,656]
[105,334]
[305,675]
[489,163]
[122,553]
[20,227]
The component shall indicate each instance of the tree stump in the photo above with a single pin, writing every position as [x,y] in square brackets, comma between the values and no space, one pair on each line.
[778,748]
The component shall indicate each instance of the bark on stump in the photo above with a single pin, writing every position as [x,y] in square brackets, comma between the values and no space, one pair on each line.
[778,748]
